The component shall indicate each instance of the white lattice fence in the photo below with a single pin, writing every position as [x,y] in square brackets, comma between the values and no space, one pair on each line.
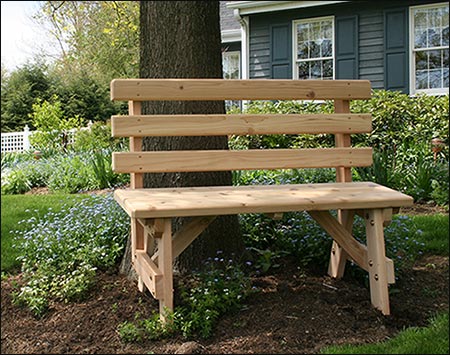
[20,141]
[16,141]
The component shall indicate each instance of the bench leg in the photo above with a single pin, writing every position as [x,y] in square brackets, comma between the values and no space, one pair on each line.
[339,256]
[137,243]
[165,264]
[378,276]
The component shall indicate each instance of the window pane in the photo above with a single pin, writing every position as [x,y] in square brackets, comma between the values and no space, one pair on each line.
[327,31]
[445,36]
[316,70]
[303,70]
[315,49]
[435,79]
[315,34]
[328,69]
[303,50]
[420,18]
[420,38]
[445,58]
[302,32]
[435,59]
[231,65]
[446,77]
[444,16]
[421,60]
[422,79]
[327,49]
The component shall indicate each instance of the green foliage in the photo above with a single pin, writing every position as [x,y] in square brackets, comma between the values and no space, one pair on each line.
[430,340]
[298,235]
[20,90]
[403,128]
[60,251]
[101,36]
[51,126]
[69,172]
[98,137]
[13,209]
[220,287]
[435,232]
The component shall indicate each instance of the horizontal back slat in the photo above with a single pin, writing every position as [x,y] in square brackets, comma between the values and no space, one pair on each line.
[221,160]
[238,89]
[211,125]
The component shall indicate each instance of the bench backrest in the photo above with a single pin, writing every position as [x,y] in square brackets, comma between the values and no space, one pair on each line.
[341,123]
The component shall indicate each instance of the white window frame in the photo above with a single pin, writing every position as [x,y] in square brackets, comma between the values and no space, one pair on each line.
[412,57]
[295,61]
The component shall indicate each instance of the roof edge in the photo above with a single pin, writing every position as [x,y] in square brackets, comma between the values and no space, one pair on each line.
[254,7]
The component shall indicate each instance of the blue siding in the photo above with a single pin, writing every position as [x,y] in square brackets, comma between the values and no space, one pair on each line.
[259,59]
[371,59]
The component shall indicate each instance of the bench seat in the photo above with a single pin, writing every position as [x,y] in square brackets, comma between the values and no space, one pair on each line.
[221,200]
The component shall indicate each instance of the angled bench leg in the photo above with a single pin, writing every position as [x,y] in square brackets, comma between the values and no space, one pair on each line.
[378,272]
[339,256]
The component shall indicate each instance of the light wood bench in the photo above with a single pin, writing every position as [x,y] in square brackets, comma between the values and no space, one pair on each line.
[152,210]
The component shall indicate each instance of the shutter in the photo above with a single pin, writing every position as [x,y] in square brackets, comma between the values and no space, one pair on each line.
[396,50]
[346,47]
[280,51]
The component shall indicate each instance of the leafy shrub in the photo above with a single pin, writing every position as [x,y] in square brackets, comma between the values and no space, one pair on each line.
[97,137]
[298,235]
[69,172]
[51,126]
[60,252]
[403,128]
[220,287]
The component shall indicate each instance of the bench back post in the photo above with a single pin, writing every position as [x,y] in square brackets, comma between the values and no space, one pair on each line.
[342,141]
[136,179]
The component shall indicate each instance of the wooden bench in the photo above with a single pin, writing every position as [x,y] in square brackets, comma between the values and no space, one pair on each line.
[151,210]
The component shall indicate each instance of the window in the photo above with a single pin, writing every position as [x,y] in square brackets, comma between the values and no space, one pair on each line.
[314,55]
[429,44]
[231,67]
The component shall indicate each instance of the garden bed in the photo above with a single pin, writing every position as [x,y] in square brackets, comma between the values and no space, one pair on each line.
[294,311]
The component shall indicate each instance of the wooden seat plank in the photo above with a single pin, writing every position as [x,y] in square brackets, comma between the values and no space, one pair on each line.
[207,201]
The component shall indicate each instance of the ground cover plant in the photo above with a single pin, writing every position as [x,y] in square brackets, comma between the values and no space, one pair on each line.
[61,250]
[16,208]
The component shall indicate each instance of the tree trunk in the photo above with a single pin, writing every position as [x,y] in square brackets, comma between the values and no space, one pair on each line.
[181,39]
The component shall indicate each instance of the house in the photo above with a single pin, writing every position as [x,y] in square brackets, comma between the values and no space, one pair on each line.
[397,45]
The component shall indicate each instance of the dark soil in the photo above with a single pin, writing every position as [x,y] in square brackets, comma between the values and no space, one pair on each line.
[294,311]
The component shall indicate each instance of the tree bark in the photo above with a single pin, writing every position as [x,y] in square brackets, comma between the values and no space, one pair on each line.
[181,39]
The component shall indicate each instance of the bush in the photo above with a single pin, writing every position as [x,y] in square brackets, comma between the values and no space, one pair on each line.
[403,128]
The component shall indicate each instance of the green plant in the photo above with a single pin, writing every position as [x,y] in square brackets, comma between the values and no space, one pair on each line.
[129,332]
[101,166]
[52,128]
[15,182]
[60,251]
[220,287]
[97,137]
[433,339]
